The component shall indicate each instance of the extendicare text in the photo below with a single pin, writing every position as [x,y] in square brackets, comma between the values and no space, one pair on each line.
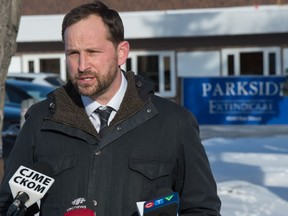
[32,180]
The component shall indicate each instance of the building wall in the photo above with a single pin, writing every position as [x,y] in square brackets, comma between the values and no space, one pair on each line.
[195,49]
[36,7]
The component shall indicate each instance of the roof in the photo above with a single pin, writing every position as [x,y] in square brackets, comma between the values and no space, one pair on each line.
[36,7]
[172,23]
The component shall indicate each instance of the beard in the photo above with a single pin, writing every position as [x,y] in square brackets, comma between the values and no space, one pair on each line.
[100,85]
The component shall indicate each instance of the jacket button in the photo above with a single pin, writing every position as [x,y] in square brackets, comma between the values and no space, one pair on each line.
[94,202]
[51,105]
[149,110]
[138,83]
[98,153]
[119,128]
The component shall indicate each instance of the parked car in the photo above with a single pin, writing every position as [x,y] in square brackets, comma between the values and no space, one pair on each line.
[17,92]
[14,95]
[11,128]
[49,79]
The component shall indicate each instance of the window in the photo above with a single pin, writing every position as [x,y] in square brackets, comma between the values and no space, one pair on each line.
[158,67]
[148,67]
[231,65]
[50,63]
[251,61]
[272,63]
[31,67]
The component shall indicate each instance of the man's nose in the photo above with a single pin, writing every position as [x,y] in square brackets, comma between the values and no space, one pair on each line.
[84,62]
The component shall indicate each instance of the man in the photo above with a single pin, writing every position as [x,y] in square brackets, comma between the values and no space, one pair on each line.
[150,143]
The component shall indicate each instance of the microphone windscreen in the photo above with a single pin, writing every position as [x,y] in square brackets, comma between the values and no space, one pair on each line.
[80,212]
[81,207]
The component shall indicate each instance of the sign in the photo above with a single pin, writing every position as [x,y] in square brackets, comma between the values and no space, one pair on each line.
[237,100]
[166,205]
[33,183]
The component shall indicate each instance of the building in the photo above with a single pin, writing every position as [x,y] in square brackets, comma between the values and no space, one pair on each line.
[170,39]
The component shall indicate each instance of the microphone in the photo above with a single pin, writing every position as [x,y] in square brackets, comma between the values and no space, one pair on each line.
[28,185]
[166,204]
[81,207]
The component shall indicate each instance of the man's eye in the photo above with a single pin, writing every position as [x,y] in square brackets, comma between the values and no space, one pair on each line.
[72,53]
[91,52]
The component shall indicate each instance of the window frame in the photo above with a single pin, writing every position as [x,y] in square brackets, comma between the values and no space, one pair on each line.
[35,58]
[161,54]
[225,53]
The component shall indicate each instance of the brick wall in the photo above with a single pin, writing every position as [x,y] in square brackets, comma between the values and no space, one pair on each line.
[36,7]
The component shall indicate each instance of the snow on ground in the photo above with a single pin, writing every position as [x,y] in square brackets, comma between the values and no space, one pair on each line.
[251,174]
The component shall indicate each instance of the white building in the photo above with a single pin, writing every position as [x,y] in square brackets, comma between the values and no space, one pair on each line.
[171,44]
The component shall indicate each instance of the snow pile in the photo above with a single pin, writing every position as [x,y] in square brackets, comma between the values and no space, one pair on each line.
[251,174]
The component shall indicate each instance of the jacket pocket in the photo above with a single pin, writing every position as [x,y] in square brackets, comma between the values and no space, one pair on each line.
[59,163]
[61,187]
[146,177]
[151,169]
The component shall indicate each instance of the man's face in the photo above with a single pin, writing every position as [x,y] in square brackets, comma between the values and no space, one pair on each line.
[92,59]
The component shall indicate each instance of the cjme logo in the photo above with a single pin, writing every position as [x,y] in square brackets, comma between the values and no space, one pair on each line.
[32,180]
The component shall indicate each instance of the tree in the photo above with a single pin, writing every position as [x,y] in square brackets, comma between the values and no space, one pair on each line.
[10,12]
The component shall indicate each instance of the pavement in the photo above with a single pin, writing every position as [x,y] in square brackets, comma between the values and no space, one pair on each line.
[234,131]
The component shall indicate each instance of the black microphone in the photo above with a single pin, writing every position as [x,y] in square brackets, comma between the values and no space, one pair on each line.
[81,207]
[166,203]
[28,185]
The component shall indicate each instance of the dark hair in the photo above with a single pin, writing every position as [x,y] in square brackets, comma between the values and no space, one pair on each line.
[110,18]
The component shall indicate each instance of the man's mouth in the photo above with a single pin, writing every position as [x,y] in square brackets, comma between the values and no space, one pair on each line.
[86,78]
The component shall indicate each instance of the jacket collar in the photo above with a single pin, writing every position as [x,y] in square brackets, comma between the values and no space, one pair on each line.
[66,105]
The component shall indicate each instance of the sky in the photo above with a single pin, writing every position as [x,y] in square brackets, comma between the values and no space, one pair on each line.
[251,174]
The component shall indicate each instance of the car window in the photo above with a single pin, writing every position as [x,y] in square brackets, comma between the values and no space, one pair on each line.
[39,92]
[55,81]
[28,79]
[14,95]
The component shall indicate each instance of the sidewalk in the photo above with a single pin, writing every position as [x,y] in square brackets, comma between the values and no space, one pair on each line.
[233,131]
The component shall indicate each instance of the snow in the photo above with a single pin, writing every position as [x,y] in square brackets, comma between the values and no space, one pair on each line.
[251,173]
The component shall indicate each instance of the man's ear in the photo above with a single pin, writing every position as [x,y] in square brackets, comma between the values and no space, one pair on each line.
[123,52]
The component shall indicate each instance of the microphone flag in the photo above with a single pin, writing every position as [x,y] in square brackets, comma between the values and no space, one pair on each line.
[30,182]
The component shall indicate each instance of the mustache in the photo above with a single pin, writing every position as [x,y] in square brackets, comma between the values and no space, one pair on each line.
[85,73]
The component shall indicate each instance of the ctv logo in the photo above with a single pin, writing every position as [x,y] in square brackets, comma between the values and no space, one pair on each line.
[149,205]
[158,202]
[168,198]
